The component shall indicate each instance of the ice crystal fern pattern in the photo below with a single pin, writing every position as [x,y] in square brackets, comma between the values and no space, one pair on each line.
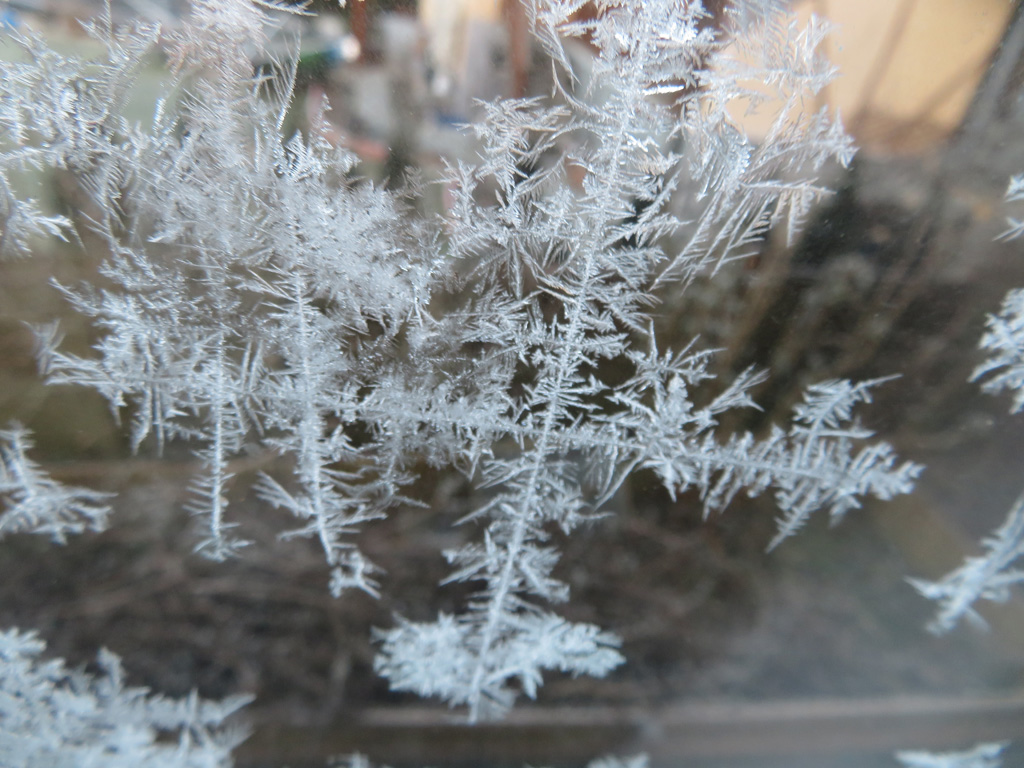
[34,502]
[990,576]
[50,715]
[255,294]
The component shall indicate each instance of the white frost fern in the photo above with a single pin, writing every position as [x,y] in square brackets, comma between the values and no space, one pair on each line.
[257,297]
[36,503]
[989,576]
[61,718]
[1004,342]
[652,127]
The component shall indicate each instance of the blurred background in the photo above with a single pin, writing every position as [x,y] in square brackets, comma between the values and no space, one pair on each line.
[815,654]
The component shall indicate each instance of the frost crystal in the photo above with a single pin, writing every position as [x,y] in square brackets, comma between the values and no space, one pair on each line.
[256,297]
[990,576]
[650,125]
[53,716]
[36,503]
[985,577]
[1004,341]
[980,756]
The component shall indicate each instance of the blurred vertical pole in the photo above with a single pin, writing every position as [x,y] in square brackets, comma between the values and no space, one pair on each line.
[357,18]
[518,46]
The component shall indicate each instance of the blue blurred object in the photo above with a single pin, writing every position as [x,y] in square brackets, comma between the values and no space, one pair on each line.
[9,19]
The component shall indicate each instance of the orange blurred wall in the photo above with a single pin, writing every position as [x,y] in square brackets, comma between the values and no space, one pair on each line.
[908,68]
